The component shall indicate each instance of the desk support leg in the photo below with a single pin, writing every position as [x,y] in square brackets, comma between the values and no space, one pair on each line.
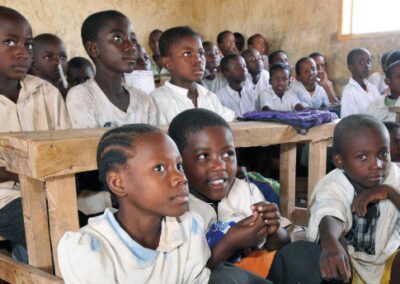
[316,165]
[287,178]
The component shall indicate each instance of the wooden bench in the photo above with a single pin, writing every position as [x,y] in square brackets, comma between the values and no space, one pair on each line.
[47,161]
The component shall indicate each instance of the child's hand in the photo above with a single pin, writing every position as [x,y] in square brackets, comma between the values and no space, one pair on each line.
[361,201]
[247,233]
[269,212]
[334,262]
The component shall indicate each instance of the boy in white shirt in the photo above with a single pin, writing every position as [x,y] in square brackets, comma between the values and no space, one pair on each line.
[183,55]
[358,93]
[378,79]
[258,79]
[226,43]
[259,42]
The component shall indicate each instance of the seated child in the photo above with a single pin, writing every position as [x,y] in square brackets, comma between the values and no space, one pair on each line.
[226,43]
[48,52]
[259,42]
[183,56]
[378,79]
[237,219]
[213,59]
[277,96]
[358,93]
[310,94]
[79,71]
[259,77]
[27,103]
[143,61]
[235,95]
[278,56]
[239,41]
[379,108]
[354,212]
[151,238]
[105,101]
[160,74]
[394,132]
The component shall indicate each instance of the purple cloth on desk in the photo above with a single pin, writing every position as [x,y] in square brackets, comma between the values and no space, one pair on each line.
[300,120]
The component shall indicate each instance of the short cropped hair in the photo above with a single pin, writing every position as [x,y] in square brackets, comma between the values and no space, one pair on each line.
[96,22]
[207,44]
[45,39]
[251,39]
[391,125]
[355,52]
[279,66]
[315,54]
[170,36]
[221,35]
[352,122]
[275,53]
[8,12]
[79,62]
[192,121]
[153,32]
[301,61]
[224,64]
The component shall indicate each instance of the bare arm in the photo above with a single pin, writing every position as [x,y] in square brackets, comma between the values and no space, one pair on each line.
[328,87]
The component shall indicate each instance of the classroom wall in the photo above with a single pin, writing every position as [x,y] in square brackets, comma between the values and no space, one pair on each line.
[297,26]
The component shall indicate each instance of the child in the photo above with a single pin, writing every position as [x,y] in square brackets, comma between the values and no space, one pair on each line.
[354,212]
[48,52]
[259,77]
[154,38]
[183,56]
[323,79]
[143,61]
[310,94]
[378,79]
[105,101]
[151,238]
[239,41]
[212,60]
[79,71]
[28,103]
[277,96]
[394,132]
[379,108]
[235,95]
[358,93]
[278,56]
[235,213]
[259,42]
[226,43]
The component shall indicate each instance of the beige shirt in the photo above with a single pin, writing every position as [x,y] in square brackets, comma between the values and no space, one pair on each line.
[89,107]
[39,107]
[171,100]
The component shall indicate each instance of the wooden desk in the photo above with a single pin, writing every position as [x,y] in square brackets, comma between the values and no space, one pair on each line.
[47,161]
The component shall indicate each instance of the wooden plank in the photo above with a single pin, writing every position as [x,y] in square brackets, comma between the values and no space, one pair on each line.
[287,172]
[36,223]
[17,272]
[316,165]
[63,210]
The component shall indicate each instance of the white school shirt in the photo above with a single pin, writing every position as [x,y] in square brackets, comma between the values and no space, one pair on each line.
[89,107]
[315,101]
[270,99]
[262,83]
[216,84]
[355,100]
[380,111]
[171,100]
[333,196]
[247,101]
[103,252]
[378,80]
[40,106]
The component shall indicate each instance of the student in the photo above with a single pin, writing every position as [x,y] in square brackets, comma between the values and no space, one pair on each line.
[183,56]
[394,132]
[310,94]
[212,60]
[259,77]
[379,108]
[27,103]
[378,79]
[235,95]
[259,42]
[48,52]
[226,43]
[143,61]
[151,238]
[354,212]
[105,101]
[154,38]
[323,79]
[234,212]
[277,97]
[79,71]
[278,56]
[239,41]
[358,93]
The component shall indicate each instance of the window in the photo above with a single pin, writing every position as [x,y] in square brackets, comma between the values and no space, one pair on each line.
[369,17]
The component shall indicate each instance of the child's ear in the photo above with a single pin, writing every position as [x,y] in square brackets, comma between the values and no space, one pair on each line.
[387,81]
[337,160]
[91,49]
[115,183]
[166,62]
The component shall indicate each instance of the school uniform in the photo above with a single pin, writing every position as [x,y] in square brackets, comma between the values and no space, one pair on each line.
[379,108]
[103,252]
[241,103]
[270,99]
[89,107]
[266,61]
[315,100]
[369,247]
[262,83]
[378,80]
[355,99]
[171,100]
[216,84]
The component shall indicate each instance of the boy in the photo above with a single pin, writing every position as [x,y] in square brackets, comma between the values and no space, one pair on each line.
[183,56]
[278,56]
[378,79]
[259,42]
[323,79]
[239,41]
[79,71]
[160,74]
[48,52]
[143,61]
[212,60]
[234,212]
[277,97]
[28,103]
[235,95]
[379,108]
[259,77]
[358,93]
[394,132]
[105,101]
[226,43]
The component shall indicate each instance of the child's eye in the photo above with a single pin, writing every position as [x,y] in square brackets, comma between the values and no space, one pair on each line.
[63,57]
[362,157]
[118,39]
[29,46]
[48,57]
[202,156]
[384,154]
[10,42]
[159,168]
[179,166]
[187,53]
[201,53]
